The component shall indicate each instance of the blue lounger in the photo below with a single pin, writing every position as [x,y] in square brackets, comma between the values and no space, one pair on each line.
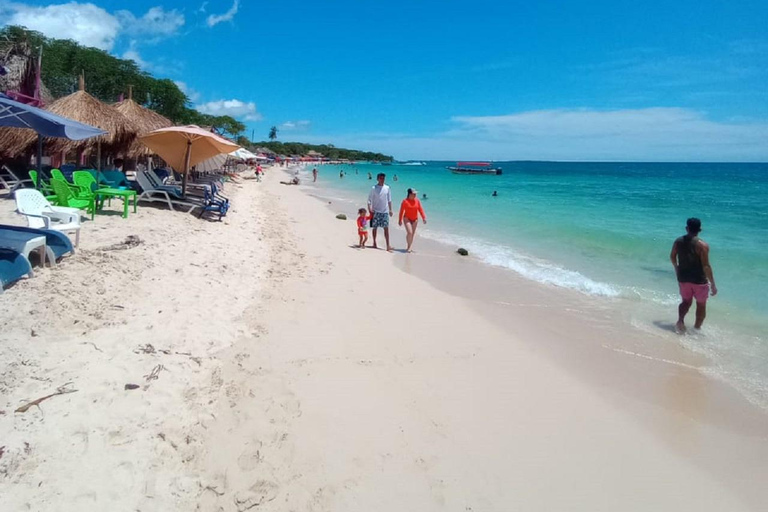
[57,244]
[13,266]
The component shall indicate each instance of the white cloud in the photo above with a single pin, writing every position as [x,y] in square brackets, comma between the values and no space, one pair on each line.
[85,23]
[192,94]
[132,54]
[156,22]
[215,19]
[652,134]
[295,125]
[234,108]
[91,25]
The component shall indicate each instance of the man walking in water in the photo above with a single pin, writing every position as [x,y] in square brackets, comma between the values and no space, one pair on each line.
[380,207]
[690,257]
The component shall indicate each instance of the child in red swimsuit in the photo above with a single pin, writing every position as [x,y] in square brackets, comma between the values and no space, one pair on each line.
[362,226]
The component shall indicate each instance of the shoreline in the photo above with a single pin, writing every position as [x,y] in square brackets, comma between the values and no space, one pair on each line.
[330,378]
[643,318]
[660,385]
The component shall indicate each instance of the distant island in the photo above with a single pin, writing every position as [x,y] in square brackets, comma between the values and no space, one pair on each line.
[302,149]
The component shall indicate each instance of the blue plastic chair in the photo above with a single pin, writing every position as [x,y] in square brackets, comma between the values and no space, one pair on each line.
[67,170]
[211,204]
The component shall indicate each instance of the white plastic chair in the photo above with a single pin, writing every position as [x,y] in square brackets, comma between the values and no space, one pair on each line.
[41,215]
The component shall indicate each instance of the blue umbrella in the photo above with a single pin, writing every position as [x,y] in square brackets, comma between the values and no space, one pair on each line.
[46,124]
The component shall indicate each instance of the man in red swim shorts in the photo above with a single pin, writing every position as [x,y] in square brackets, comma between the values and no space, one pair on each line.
[690,257]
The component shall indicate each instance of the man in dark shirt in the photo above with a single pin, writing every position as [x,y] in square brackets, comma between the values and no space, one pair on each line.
[690,257]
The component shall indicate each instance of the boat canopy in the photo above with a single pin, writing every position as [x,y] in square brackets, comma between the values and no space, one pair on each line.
[476,164]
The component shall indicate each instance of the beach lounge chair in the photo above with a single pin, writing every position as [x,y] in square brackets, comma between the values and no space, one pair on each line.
[65,197]
[57,244]
[23,243]
[66,171]
[13,266]
[158,184]
[10,180]
[168,196]
[114,179]
[42,215]
[211,204]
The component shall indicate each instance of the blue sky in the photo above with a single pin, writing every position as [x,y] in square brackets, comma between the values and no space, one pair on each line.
[600,80]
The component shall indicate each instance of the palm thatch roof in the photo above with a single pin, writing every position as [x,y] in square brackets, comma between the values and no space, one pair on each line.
[143,119]
[20,64]
[82,107]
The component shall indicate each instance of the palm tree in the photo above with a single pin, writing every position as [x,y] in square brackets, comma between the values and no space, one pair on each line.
[273,133]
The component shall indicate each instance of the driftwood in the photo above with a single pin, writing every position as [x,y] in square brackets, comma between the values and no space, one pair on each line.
[155,373]
[62,390]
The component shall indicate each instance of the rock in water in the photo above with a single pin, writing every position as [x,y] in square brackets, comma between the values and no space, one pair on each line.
[463,251]
[341,216]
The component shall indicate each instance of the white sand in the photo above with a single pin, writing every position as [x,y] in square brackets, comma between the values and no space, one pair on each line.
[304,374]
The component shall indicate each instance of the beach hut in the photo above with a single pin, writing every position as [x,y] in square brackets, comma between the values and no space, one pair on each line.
[143,119]
[86,109]
[20,74]
[20,80]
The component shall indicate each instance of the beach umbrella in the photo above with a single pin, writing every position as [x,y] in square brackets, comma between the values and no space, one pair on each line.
[44,124]
[143,119]
[185,146]
[213,163]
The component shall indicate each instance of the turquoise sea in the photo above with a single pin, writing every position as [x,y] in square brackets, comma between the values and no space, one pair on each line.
[606,229]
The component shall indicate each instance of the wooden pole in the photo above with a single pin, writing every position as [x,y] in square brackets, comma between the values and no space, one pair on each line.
[186,169]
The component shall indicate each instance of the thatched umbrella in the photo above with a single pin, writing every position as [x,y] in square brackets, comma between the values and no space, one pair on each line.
[143,119]
[86,109]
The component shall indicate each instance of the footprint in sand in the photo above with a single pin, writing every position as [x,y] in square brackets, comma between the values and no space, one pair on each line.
[248,460]
[263,491]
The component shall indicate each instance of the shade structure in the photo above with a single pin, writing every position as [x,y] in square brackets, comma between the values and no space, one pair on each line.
[184,146]
[214,163]
[143,119]
[218,161]
[87,109]
[14,114]
[244,154]
[47,124]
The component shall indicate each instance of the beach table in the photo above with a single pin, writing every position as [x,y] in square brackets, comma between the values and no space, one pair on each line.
[124,194]
[23,243]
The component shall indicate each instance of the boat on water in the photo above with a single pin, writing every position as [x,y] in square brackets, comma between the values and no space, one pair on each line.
[475,168]
[414,163]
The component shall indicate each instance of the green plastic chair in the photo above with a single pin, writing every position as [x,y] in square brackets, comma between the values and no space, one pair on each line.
[44,188]
[65,197]
[86,183]
[57,174]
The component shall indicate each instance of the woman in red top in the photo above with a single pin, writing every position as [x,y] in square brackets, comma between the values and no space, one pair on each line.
[410,209]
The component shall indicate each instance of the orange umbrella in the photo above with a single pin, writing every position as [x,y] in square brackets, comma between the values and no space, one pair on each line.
[184,146]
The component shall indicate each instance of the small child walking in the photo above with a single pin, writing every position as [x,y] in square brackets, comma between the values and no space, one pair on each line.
[362,226]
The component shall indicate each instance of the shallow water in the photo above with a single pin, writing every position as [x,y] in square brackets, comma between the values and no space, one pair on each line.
[606,229]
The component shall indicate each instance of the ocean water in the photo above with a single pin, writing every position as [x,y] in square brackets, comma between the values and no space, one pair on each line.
[606,229]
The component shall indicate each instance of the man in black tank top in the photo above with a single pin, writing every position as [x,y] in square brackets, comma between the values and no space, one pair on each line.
[690,257]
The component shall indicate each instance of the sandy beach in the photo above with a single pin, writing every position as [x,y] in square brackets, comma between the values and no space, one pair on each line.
[280,368]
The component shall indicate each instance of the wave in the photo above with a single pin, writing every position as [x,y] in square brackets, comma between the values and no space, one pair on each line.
[527,266]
